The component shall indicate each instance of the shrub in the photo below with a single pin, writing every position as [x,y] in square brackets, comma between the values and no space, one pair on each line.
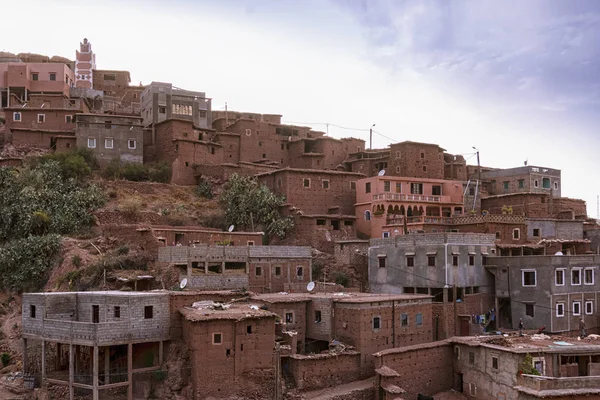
[76,260]
[122,250]
[134,172]
[159,172]
[204,189]
[317,270]
[341,279]
[132,206]
[5,357]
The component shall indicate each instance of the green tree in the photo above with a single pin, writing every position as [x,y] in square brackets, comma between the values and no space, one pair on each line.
[246,202]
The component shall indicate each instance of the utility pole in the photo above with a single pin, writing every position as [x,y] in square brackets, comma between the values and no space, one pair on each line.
[477,188]
[226,121]
[371,137]
[278,392]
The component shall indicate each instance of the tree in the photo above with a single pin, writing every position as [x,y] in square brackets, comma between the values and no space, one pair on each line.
[248,203]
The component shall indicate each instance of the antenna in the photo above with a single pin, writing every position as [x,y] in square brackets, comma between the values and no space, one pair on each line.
[231,228]
[310,287]
[183,283]
[381,173]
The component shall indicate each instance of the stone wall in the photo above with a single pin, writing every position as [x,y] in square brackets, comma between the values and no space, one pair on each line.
[318,371]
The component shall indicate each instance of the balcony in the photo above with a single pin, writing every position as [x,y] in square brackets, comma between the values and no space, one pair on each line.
[399,220]
[412,197]
[545,386]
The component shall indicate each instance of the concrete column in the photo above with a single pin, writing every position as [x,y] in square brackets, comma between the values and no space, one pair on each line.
[189,269]
[106,365]
[129,371]
[25,363]
[205,267]
[43,360]
[71,372]
[222,267]
[95,374]
[57,358]
[160,353]
[8,97]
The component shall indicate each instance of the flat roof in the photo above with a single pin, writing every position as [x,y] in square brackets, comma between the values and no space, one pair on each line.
[102,293]
[338,297]
[236,312]
[312,171]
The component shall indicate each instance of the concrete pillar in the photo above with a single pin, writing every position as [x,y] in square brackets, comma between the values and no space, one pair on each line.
[205,267]
[129,371]
[106,365]
[95,374]
[8,97]
[57,358]
[71,372]
[43,360]
[160,353]
[25,363]
[189,269]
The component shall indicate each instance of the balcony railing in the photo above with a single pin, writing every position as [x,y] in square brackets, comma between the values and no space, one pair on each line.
[412,197]
[399,220]
[534,383]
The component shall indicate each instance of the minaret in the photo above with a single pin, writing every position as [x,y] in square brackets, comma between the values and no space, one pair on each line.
[85,62]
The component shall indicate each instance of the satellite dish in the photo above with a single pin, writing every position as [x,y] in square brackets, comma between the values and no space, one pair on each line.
[230,229]
[183,283]
[559,253]
[310,287]
[381,173]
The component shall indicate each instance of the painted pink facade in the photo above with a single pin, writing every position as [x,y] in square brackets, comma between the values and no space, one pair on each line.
[21,79]
[85,63]
[383,203]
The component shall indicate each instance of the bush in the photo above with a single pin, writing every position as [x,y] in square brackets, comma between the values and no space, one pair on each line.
[155,172]
[132,206]
[76,260]
[341,279]
[317,270]
[204,189]
[159,172]
[134,172]
[5,357]
[77,164]
[122,250]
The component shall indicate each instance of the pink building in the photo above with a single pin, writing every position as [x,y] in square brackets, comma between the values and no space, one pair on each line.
[385,205]
[85,63]
[19,80]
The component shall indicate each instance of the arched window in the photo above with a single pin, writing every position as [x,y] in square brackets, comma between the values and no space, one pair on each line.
[367,215]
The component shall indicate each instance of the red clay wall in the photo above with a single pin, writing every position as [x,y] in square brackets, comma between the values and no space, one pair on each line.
[318,371]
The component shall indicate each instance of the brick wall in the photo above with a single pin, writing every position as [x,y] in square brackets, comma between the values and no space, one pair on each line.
[419,160]
[324,370]
[319,330]
[298,324]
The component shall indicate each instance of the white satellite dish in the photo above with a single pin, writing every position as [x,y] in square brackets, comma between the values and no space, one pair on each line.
[310,287]
[559,253]
[231,227]
[183,283]
[381,173]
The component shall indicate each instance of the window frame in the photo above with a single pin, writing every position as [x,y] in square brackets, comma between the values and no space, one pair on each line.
[112,143]
[518,234]
[218,335]
[418,319]
[378,319]
[523,271]
[325,184]
[306,183]
[578,270]
[93,140]
[562,271]
[20,119]
[585,270]
[380,260]
[41,120]
[410,261]
[560,306]
[591,303]
[578,304]
[387,186]
[404,320]
[129,140]
[431,260]
[532,305]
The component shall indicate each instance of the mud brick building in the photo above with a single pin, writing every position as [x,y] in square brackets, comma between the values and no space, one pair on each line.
[385,204]
[111,137]
[368,162]
[448,266]
[551,291]
[229,349]
[119,96]
[194,235]
[257,268]
[416,160]
[92,342]
[536,205]
[162,101]
[85,64]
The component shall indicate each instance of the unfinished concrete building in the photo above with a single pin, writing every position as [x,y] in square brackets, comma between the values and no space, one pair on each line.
[95,342]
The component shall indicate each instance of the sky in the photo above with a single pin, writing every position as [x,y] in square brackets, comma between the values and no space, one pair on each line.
[518,80]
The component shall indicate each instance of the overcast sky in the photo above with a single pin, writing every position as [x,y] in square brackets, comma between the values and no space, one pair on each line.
[519,80]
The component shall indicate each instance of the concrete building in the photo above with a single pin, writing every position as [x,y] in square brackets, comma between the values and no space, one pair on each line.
[162,101]
[536,205]
[485,368]
[194,235]
[527,179]
[93,342]
[385,204]
[119,97]
[551,291]
[111,137]
[85,64]
[261,269]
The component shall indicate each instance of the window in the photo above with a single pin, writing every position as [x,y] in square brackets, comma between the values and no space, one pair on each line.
[555,185]
[539,365]
[227,352]
[436,190]
[317,316]
[32,311]
[217,338]
[52,76]
[264,155]
[250,243]
[107,124]
[472,389]
[536,183]
[455,261]
[385,235]
[498,235]
[422,154]
[325,184]
[41,118]
[306,183]
[419,319]
[546,183]
[529,310]
[576,276]
[494,362]
[68,119]
[386,186]
[516,234]
[117,312]
[536,232]
[249,329]
[528,277]
[108,143]
[202,113]
[398,169]
[92,143]
[410,261]
[589,307]
[299,271]
[381,261]
[576,308]
[588,276]
[321,222]
[521,183]
[148,312]
[176,148]
[367,215]
[560,309]
[416,188]
[17,116]
[471,358]
[559,277]
[258,271]
[471,259]
[352,185]
[430,261]
[368,187]
[95,314]
[404,320]
[424,168]
[277,270]
[131,144]
[398,187]
[376,323]
[505,185]
[162,110]
[289,318]
[35,76]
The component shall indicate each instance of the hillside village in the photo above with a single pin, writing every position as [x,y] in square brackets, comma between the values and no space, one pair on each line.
[219,254]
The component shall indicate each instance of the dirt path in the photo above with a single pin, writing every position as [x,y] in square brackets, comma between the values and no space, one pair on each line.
[328,393]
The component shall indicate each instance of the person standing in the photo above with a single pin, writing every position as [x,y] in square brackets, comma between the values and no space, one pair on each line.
[520,326]
[581,328]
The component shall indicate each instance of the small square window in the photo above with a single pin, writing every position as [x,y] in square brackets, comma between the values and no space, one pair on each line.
[404,320]
[559,277]
[536,232]
[422,154]
[419,319]
[576,277]
[516,234]
[250,243]
[576,308]
[382,261]
[471,358]
[424,168]
[410,261]
[555,185]
[352,185]
[317,316]
[217,338]
[289,318]
[528,278]
[521,183]
[258,271]
[386,186]
[560,309]
[148,312]
[117,312]
[41,118]
[471,259]
[35,76]
[108,125]
[202,113]
[52,76]
[17,116]
[536,183]
[455,261]
[299,271]
[162,110]
[529,310]
[588,276]
[249,329]
[431,261]
[368,187]
[589,307]
[108,143]
[325,184]
[494,362]
[306,183]
[32,311]
[376,323]
[131,144]
[68,119]
[277,271]
[398,187]
[92,143]
[498,235]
